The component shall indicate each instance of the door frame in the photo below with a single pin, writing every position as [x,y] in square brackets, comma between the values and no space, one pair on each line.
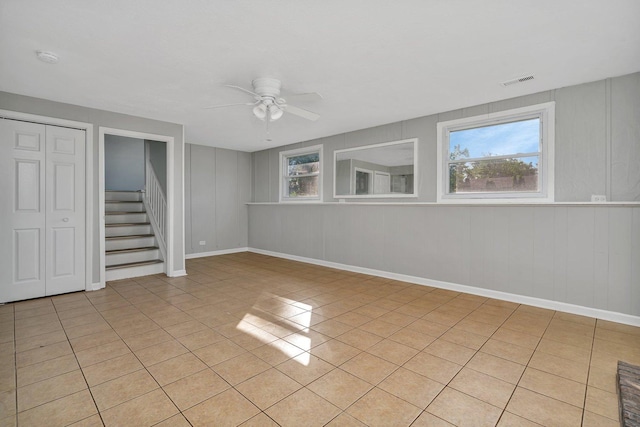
[170,141]
[88,172]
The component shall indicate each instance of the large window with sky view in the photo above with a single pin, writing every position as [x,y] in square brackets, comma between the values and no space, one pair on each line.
[502,155]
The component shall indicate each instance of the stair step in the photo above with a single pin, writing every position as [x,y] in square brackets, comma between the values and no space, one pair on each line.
[133,264]
[122,251]
[127,224]
[129,236]
[115,195]
[123,212]
[117,206]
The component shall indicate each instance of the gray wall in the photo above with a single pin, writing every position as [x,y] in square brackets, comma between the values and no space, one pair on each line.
[586,255]
[123,163]
[158,159]
[597,143]
[217,187]
[98,118]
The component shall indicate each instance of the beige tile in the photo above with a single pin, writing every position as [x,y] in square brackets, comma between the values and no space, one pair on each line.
[147,339]
[505,350]
[277,352]
[392,351]
[268,388]
[380,328]
[101,353]
[38,341]
[345,420]
[92,421]
[7,403]
[566,368]
[228,408]
[478,328]
[604,379]
[200,339]
[399,319]
[335,352]
[553,386]
[196,388]
[517,338]
[148,409]
[379,408]
[87,329]
[449,351]
[176,421]
[429,420]
[47,369]
[241,368]
[433,367]
[353,319]
[359,339]
[157,353]
[305,368]
[219,352]
[50,389]
[510,420]
[369,368]
[502,369]
[120,390]
[412,338]
[111,369]
[94,340]
[303,408]
[260,420]
[60,412]
[464,338]
[340,388]
[483,387]
[461,409]
[412,387]
[543,410]
[173,369]
[41,354]
[594,420]
[306,340]
[602,403]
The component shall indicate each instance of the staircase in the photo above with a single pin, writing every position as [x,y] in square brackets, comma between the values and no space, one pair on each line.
[131,247]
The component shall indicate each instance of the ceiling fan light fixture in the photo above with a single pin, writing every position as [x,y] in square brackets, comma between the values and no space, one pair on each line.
[260,111]
[275,112]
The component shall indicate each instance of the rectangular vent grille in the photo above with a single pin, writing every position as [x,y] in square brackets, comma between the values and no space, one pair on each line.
[517,80]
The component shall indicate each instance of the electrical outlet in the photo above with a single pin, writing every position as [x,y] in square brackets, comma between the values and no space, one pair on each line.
[202,243]
[598,198]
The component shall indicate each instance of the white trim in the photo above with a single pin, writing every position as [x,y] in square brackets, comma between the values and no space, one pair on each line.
[298,152]
[547,192]
[88,171]
[170,241]
[379,195]
[141,270]
[489,293]
[216,253]
[178,273]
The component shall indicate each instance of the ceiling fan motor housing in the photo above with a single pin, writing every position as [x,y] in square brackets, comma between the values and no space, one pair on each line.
[267,87]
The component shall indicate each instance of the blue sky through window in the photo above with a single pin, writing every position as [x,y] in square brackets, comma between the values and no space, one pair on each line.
[498,140]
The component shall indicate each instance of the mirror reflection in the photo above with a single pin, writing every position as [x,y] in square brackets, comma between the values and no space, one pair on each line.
[380,170]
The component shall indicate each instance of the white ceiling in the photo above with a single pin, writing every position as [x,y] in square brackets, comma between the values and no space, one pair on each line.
[374,61]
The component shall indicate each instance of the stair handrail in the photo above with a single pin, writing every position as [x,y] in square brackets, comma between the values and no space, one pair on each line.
[157,203]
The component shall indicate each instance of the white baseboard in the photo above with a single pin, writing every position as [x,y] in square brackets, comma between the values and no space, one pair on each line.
[177,273]
[489,293]
[216,253]
[94,286]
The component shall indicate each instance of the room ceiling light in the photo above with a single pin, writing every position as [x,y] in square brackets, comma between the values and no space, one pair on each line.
[48,57]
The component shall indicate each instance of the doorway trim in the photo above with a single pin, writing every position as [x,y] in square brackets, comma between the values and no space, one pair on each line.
[88,175]
[170,141]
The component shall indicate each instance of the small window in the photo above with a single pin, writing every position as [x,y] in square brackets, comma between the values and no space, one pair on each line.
[301,174]
[503,156]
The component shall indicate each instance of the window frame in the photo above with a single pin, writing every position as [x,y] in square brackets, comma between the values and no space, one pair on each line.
[283,175]
[545,112]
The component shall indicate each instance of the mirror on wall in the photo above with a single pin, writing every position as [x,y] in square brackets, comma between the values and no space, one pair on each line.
[379,170]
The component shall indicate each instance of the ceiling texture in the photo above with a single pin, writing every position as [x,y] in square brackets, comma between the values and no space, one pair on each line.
[373,61]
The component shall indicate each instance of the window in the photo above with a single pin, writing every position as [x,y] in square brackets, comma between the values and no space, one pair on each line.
[505,156]
[301,174]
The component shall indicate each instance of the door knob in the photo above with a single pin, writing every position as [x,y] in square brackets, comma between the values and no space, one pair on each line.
[65,219]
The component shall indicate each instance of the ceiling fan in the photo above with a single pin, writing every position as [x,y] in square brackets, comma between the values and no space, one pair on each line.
[268,105]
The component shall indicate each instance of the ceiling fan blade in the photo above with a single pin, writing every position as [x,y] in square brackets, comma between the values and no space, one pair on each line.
[229,105]
[305,114]
[308,96]
[243,90]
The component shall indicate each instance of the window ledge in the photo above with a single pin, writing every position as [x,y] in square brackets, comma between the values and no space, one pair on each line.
[489,204]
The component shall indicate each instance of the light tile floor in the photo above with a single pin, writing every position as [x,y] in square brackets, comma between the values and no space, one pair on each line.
[251,340]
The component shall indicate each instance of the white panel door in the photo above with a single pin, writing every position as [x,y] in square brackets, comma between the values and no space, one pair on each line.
[41,210]
[65,207]
[382,183]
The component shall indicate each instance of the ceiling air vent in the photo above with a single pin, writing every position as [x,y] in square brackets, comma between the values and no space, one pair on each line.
[517,80]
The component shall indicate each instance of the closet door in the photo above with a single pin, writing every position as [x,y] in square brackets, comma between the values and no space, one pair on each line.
[41,210]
